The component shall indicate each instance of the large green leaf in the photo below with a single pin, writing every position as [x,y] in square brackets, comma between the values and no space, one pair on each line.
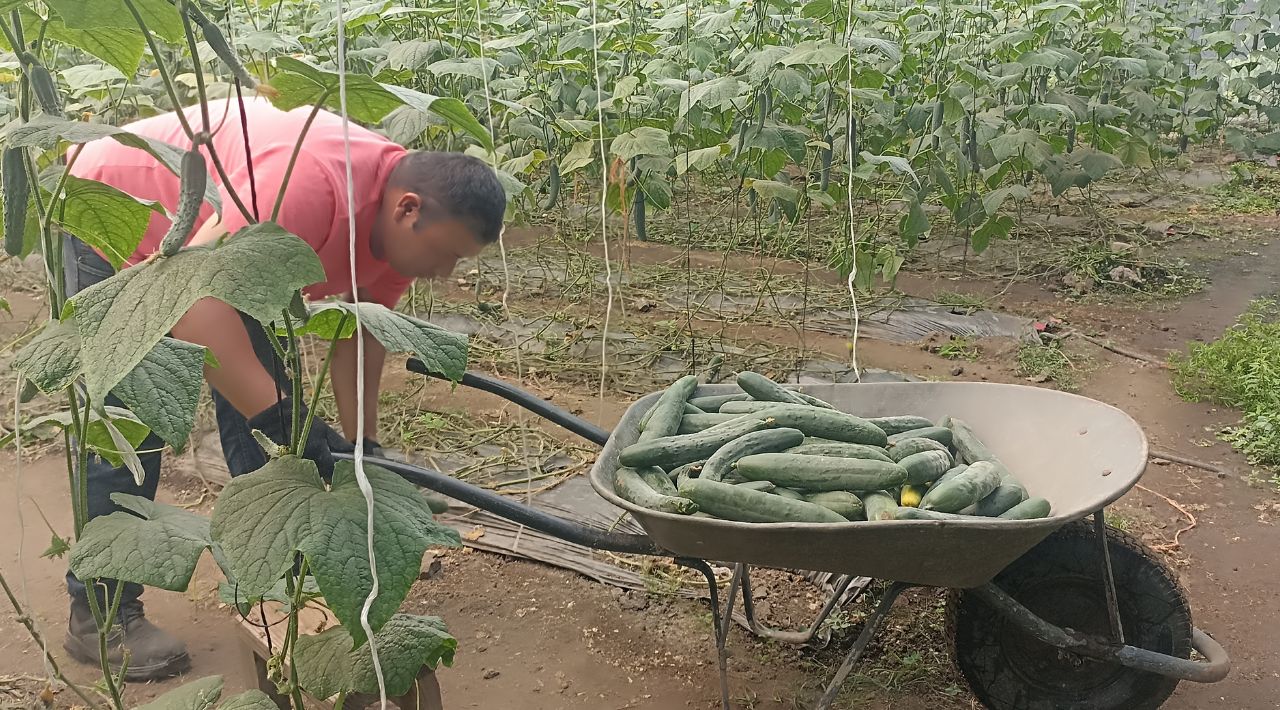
[825,54]
[51,360]
[105,218]
[119,47]
[992,201]
[257,270]
[45,132]
[450,109]
[328,665]
[250,700]
[1096,163]
[161,16]
[164,389]
[443,351]
[158,547]
[714,94]
[262,519]
[196,695]
[701,158]
[112,434]
[645,140]
[1020,142]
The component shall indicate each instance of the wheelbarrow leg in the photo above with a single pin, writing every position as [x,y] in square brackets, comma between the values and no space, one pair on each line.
[721,637]
[868,632]
[796,637]
[1108,578]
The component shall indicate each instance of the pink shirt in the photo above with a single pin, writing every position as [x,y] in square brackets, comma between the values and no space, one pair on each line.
[315,204]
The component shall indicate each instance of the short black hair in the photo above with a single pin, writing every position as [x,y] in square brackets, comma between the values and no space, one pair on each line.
[459,185]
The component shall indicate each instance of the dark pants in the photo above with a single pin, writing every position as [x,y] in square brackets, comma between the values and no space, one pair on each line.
[84,268]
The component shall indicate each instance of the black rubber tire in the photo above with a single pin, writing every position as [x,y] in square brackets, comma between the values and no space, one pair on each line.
[1060,580]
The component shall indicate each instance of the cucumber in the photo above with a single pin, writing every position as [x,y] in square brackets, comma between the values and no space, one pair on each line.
[926,466]
[915,445]
[811,400]
[665,416]
[821,473]
[922,514]
[791,493]
[712,403]
[846,504]
[694,423]
[218,43]
[688,409]
[743,504]
[762,486]
[939,434]
[897,425]
[813,446]
[17,193]
[745,406]
[194,175]
[950,474]
[964,490]
[657,480]
[757,442]
[1006,495]
[689,470]
[910,496]
[766,390]
[826,424]
[631,487]
[671,451]
[969,447]
[1028,509]
[879,505]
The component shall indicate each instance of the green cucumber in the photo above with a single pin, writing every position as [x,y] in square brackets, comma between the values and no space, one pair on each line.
[757,442]
[746,406]
[922,514]
[1006,495]
[694,423]
[880,505]
[17,193]
[811,400]
[926,466]
[1028,509]
[688,409]
[813,446]
[194,176]
[950,474]
[897,425]
[762,486]
[939,434]
[966,489]
[825,423]
[665,416]
[689,470]
[743,504]
[791,493]
[848,505]
[631,487]
[916,444]
[821,473]
[671,451]
[657,480]
[712,403]
[969,448]
[766,390]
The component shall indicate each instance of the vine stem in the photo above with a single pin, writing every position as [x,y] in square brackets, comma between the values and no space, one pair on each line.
[324,370]
[297,148]
[26,621]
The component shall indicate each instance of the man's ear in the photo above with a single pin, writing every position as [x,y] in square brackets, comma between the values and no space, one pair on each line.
[409,206]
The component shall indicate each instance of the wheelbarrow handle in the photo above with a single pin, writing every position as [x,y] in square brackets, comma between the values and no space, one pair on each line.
[1213,669]
[522,397]
[505,507]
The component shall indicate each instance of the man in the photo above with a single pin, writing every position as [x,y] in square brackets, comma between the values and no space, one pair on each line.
[417,214]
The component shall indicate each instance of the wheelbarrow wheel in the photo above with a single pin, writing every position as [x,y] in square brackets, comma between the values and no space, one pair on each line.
[1060,580]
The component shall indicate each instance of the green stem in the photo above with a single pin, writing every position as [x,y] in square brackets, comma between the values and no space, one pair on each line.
[195,61]
[104,629]
[295,445]
[79,427]
[162,68]
[293,158]
[324,371]
[27,622]
[295,588]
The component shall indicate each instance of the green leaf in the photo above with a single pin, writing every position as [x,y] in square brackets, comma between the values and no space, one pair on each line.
[45,132]
[125,450]
[701,159]
[444,352]
[582,154]
[1021,142]
[97,436]
[328,665]
[1096,163]
[301,83]
[996,227]
[644,140]
[914,223]
[121,319]
[157,547]
[105,218]
[260,520]
[810,53]
[452,110]
[51,360]
[415,54]
[58,546]
[992,201]
[250,700]
[772,189]
[119,47]
[161,16]
[470,66]
[714,94]
[197,695]
[164,389]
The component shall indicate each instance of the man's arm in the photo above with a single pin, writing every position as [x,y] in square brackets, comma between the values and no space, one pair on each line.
[240,376]
[342,369]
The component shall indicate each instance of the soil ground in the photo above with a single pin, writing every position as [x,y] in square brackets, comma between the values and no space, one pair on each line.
[536,637]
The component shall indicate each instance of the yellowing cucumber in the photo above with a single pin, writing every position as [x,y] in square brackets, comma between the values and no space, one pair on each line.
[926,466]
[631,487]
[666,414]
[880,505]
[846,504]
[826,424]
[821,473]
[825,447]
[966,489]
[757,442]
[906,447]
[897,425]
[940,434]
[1028,509]
[910,496]
[672,451]
[743,504]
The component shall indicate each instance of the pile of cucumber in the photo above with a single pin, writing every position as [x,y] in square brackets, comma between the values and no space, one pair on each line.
[770,454]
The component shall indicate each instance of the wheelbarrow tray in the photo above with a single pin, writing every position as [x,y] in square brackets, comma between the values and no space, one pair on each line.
[1078,453]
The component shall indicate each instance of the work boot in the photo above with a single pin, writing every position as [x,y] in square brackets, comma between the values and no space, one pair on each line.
[153,652]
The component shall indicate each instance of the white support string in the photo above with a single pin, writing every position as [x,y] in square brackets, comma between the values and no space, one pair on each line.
[604,204]
[853,237]
[366,489]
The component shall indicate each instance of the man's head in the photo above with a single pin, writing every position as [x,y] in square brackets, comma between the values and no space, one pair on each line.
[437,208]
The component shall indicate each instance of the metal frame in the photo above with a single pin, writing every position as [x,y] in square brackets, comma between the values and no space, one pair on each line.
[1214,668]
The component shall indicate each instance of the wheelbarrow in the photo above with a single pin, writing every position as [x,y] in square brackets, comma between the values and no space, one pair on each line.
[1050,614]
